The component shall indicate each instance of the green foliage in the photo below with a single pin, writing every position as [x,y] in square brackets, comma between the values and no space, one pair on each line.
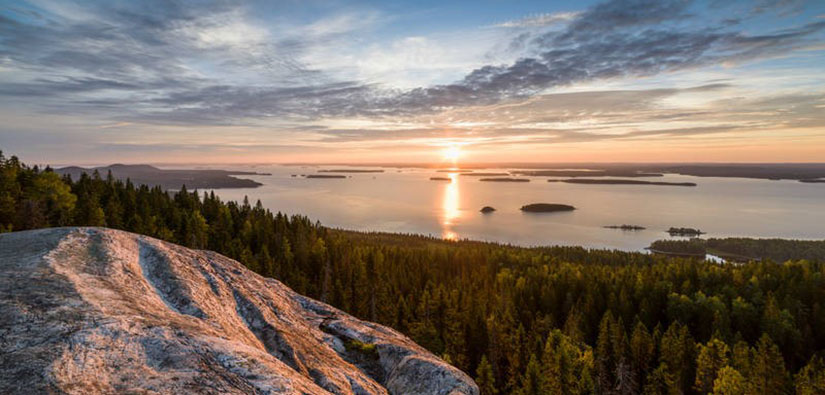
[677,247]
[729,382]
[530,320]
[366,349]
[777,250]
[713,356]
[485,379]
[811,379]
[767,374]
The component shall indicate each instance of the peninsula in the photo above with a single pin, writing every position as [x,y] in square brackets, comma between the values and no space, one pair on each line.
[167,179]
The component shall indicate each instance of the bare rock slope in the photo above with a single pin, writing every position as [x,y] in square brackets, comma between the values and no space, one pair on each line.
[92,310]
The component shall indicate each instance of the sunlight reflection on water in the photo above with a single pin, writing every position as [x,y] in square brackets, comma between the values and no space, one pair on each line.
[450,208]
[408,201]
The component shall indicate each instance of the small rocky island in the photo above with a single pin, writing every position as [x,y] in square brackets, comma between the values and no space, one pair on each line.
[685,232]
[440,179]
[546,208]
[625,227]
[505,179]
[487,209]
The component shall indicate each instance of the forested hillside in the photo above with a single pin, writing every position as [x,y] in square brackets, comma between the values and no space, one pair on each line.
[521,320]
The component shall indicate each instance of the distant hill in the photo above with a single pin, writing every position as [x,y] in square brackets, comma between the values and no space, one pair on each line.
[168,179]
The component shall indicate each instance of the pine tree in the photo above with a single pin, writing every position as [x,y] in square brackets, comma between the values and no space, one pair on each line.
[660,382]
[642,351]
[811,379]
[729,382]
[606,360]
[713,356]
[677,352]
[485,379]
[532,381]
[768,374]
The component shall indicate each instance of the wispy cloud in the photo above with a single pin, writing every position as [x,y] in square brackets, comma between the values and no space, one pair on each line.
[540,20]
[222,63]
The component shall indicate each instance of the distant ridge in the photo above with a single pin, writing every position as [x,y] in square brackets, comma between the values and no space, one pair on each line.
[167,179]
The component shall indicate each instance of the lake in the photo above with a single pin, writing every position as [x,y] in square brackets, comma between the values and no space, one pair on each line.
[407,201]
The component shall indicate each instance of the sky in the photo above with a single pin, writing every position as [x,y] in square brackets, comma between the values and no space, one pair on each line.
[94,82]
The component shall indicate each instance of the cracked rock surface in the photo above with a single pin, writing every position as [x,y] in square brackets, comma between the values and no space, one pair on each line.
[95,310]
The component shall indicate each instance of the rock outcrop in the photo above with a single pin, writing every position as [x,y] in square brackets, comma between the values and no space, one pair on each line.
[92,310]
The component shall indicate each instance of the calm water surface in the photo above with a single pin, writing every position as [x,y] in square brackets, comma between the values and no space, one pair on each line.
[407,201]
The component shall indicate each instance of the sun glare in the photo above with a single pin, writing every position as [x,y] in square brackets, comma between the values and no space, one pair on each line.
[451,153]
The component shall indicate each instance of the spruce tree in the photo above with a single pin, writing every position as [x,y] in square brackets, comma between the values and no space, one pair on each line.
[485,379]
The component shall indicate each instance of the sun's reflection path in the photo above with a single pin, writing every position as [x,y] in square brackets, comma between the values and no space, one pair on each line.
[449,207]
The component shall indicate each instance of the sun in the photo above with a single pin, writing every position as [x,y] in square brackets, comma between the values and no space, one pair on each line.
[451,153]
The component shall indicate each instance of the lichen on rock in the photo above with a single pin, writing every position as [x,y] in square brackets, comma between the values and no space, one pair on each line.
[94,310]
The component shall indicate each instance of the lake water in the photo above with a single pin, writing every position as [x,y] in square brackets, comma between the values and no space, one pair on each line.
[407,201]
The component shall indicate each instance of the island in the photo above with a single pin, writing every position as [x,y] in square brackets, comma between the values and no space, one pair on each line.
[166,179]
[485,174]
[586,173]
[325,176]
[685,232]
[505,179]
[623,182]
[765,171]
[487,209]
[546,207]
[625,227]
[351,171]
[812,181]
[440,179]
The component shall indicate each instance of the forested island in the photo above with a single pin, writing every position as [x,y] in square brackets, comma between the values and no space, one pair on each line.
[485,174]
[586,173]
[351,171]
[505,179]
[625,227]
[519,320]
[623,182]
[546,208]
[325,176]
[765,171]
[487,209]
[684,232]
[168,179]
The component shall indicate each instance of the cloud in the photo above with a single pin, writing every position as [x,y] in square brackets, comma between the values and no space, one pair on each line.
[539,20]
[171,62]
